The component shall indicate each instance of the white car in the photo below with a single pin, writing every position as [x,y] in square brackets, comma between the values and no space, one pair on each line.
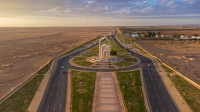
[63,66]
[148,65]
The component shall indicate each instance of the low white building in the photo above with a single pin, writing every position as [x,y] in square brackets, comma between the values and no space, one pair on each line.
[194,37]
[183,36]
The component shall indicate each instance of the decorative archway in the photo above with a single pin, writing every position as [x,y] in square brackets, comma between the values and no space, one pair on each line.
[100,48]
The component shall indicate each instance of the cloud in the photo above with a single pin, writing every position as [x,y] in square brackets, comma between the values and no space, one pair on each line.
[190,1]
[100,8]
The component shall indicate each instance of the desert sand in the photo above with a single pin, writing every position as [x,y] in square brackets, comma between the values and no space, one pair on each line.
[181,55]
[30,48]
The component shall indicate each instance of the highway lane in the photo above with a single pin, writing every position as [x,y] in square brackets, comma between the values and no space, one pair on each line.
[158,97]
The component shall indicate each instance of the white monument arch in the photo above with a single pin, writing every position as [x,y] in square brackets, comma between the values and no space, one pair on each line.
[104,50]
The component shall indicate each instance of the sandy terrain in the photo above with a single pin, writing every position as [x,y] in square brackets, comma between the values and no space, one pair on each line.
[185,57]
[29,48]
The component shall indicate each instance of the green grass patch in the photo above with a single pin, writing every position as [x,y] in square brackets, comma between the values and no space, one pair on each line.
[82,90]
[83,63]
[79,58]
[125,39]
[123,64]
[21,99]
[131,88]
[45,68]
[89,55]
[190,93]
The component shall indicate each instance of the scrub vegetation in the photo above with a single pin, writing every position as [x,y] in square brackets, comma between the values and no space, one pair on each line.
[82,90]
[131,88]
[190,93]
[21,99]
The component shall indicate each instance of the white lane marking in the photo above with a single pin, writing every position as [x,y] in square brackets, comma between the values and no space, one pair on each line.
[54,107]
[147,78]
[53,84]
[163,97]
[60,106]
[152,97]
[149,86]
[170,111]
[163,110]
[57,93]
[47,108]
[157,110]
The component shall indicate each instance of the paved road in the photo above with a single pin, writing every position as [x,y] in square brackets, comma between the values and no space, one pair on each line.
[54,99]
[158,96]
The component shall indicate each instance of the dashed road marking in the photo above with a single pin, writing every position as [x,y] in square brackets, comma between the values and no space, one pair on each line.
[47,108]
[60,106]
[56,93]
[54,107]
[163,97]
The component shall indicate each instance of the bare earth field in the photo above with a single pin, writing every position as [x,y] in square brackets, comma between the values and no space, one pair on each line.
[185,57]
[30,48]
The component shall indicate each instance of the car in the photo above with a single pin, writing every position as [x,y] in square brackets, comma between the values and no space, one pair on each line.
[63,66]
[148,65]
[70,56]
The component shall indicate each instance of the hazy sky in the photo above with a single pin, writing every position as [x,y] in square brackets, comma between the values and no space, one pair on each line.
[98,12]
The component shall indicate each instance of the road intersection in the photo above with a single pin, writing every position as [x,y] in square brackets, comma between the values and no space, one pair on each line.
[54,99]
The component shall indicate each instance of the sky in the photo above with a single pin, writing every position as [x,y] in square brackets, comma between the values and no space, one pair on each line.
[40,13]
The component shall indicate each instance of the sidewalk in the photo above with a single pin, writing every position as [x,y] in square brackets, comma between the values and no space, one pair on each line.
[180,102]
[33,107]
[177,98]
[107,95]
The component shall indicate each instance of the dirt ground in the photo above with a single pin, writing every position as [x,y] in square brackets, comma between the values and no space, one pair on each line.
[181,55]
[29,48]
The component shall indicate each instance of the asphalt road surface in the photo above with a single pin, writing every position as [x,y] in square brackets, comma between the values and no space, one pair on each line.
[158,96]
[54,99]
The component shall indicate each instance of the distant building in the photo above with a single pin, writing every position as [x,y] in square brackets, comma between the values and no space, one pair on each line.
[157,36]
[135,35]
[182,36]
[194,37]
